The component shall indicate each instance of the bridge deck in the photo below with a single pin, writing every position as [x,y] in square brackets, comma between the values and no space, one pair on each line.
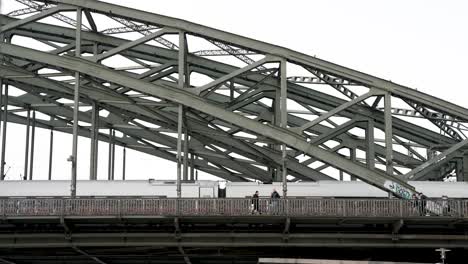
[47,230]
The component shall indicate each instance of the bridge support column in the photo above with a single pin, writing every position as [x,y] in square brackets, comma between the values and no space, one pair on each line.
[4,129]
[33,141]
[284,123]
[182,75]
[370,154]
[180,114]
[113,154]
[76,106]
[94,136]
[111,163]
[388,133]
[352,157]
[462,169]
[276,120]
[26,148]
[51,152]
[94,132]
[186,140]
[124,162]
[192,166]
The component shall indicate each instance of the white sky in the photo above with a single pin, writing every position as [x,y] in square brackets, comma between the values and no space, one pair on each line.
[420,44]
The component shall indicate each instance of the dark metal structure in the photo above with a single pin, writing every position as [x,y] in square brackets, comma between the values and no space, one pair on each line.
[153,230]
[237,108]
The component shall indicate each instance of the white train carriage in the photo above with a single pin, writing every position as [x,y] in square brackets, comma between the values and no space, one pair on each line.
[141,188]
[209,189]
[351,189]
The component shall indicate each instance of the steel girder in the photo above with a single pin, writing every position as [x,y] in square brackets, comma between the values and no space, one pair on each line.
[296,121]
[216,69]
[384,181]
[220,239]
[210,111]
[199,130]
[265,48]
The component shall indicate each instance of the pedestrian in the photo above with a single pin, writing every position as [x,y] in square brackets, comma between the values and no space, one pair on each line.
[274,201]
[255,203]
[415,201]
[275,194]
[422,203]
[445,205]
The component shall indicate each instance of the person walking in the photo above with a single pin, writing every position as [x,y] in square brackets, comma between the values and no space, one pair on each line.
[255,203]
[422,204]
[274,201]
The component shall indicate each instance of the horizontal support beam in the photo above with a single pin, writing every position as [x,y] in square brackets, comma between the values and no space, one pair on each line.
[231,75]
[245,240]
[132,44]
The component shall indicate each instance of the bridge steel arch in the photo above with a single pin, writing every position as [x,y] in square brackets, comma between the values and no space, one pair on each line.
[255,121]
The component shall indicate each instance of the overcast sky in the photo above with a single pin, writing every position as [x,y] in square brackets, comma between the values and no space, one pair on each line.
[420,44]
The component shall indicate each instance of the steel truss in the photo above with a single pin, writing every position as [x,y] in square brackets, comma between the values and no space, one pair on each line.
[256,122]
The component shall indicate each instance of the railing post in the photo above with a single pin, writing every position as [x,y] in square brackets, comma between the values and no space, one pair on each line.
[62,209]
[460,208]
[231,207]
[3,209]
[178,206]
[344,205]
[401,208]
[119,205]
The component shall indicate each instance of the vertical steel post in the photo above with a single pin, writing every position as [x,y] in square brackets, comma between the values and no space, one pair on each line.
[276,173]
[76,97]
[1,92]
[96,143]
[92,135]
[352,157]
[192,166]
[4,131]
[109,156]
[181,85]
[26,149]
[465,167]
[33,140]
[186,84]
[110,163]
[113,155]
[370,154]
[186,150]
[93,164]
[284,123]
[51,152]
[388,133]
[179,149]
[124,162]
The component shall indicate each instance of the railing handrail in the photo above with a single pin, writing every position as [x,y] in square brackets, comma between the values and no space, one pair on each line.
[294,207]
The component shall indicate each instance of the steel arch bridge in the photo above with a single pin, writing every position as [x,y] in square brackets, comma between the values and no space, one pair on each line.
[228,105]
[239,108]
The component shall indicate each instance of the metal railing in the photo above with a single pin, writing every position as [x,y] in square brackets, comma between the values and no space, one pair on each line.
[26,207]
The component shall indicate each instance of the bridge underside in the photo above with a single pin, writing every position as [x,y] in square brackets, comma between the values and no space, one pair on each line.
[221,240]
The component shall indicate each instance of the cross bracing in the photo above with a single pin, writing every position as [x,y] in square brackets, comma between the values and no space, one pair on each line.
[257,121]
